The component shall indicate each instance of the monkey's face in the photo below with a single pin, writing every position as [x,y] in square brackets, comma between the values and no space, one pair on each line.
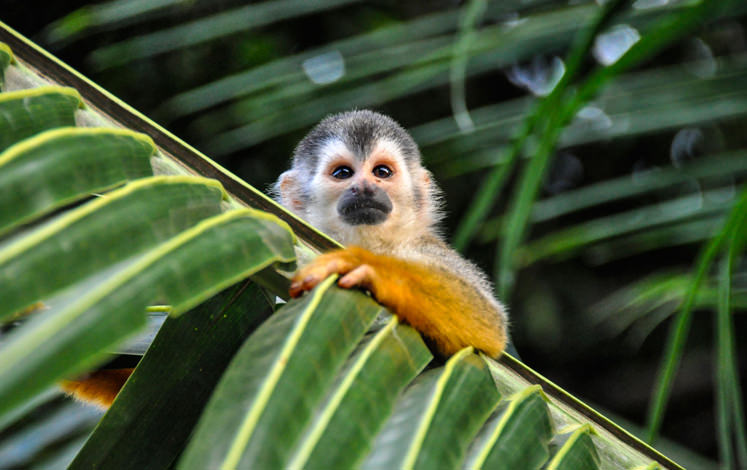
[369,190]
[356,197]
[357,176]
[362,187]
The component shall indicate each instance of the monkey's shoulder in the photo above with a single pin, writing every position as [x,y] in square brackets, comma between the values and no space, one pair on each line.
[435,253]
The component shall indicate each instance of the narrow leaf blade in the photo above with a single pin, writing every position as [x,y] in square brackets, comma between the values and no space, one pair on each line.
[575,451]
[26,112]
[517,436]
[6,57]
[60,166]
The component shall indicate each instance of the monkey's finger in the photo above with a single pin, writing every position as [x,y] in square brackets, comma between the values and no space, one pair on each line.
[303,283]
[295,289]
[308,277]
[361,276]
[322,268]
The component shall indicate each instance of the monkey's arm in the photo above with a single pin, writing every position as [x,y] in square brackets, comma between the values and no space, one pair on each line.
[442,306]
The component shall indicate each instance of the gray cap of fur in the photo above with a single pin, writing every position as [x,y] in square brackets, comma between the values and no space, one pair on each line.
[359,130]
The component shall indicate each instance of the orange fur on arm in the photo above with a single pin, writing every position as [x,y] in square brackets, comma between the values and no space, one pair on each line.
[99,388]
[439,304]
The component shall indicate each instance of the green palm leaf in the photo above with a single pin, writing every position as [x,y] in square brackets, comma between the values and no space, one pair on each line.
[356,407]
[100,233]
[87,320]
[517,436]
[151,419]
[36,174]
[27,112]
[6,57]
[575,451]
[437,417]
[277,379]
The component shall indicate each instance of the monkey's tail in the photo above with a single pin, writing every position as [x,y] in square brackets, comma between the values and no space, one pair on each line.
[98,388]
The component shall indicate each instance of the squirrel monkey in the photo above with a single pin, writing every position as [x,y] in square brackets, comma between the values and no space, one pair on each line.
[357,176]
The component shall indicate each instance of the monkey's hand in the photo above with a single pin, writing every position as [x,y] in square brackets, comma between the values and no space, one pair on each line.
[443,307]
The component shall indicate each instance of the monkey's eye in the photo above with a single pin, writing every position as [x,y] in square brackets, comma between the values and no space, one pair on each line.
[342,172]
[382,171]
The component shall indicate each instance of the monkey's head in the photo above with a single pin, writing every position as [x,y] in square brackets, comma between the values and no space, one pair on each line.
[358,176]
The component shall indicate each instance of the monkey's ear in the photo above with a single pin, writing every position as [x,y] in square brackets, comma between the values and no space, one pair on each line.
[426,178]
[289,191]
[433,202]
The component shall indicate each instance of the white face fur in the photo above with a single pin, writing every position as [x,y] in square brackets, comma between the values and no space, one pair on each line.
[338,169]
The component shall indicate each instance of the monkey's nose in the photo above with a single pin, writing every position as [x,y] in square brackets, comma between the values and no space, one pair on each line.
[364,187]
